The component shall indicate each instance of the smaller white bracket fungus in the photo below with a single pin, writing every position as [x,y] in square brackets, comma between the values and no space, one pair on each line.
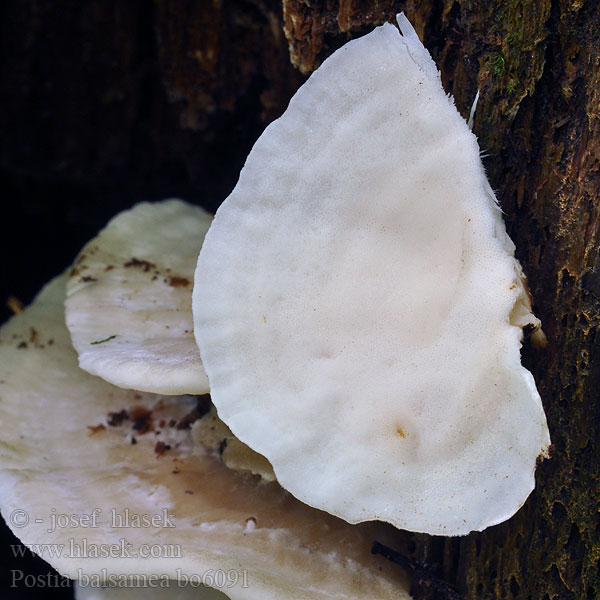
[358,305]
[128,304]
[240,457]
[73,478]
[213,434]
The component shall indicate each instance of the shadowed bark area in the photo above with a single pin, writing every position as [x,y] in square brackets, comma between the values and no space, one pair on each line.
[107,103]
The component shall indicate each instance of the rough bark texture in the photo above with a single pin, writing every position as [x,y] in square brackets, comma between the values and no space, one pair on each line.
[105,103]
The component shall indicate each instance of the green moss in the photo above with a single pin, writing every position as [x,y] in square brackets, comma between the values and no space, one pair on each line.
[498,65]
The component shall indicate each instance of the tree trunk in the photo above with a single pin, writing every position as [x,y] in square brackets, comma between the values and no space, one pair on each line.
[105,103]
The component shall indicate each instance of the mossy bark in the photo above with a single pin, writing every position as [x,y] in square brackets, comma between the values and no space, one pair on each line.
[106,103]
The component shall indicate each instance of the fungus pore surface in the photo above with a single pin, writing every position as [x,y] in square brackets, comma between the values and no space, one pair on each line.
[359,309]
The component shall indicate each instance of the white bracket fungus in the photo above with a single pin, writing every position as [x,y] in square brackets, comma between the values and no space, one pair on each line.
[353,303]
[129,299]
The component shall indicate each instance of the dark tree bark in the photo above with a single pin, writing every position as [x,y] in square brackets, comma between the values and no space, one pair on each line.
[105,103]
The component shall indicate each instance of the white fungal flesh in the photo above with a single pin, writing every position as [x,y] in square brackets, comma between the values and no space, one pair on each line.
[353,303]
[240,457]
[214,435]
[59,455]
[174,590]
[128,302]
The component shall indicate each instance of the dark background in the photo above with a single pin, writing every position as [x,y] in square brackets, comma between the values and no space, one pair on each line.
[96,114]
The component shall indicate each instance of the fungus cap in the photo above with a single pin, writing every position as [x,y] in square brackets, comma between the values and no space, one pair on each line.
[68,449]
[128,302]
[353,302]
